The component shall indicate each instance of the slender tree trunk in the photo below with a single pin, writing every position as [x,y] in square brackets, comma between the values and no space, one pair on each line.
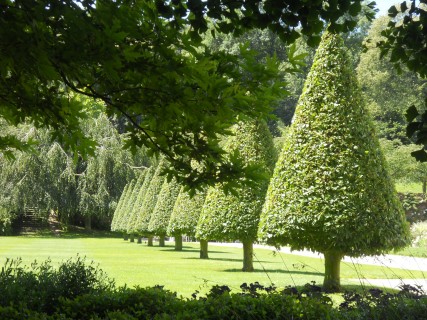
[125,236]
[88,222]
[139,239]
[161,241]
[248,253]
[178,242]
[132,237]
[204,249]
[150,241]
[331,282]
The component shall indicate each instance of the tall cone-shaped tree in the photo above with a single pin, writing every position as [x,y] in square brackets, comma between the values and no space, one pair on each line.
[127,210]
[185,216]
[330,190]
[122,209]
[149,203]
[236,217]
[119,207]
[159,221]
[137,206]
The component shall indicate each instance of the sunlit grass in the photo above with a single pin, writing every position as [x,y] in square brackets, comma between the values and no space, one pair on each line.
[409,187]
[139,265]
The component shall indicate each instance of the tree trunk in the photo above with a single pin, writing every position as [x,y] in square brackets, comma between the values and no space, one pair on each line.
[161,241]
[178,242]
[88,223]
[424,186]
[204,249]
[125,237]
[150,241]
[331,282]
[248,253]
[132,237]
[139,239]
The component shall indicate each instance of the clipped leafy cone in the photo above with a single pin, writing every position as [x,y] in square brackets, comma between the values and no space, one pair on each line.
[162,212]
[330,191]
[120,211]
[150,201]
[119,207]
[127,210]
[137,207]
[232,217]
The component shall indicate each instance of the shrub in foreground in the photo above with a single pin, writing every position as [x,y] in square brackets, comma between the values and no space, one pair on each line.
[82,291]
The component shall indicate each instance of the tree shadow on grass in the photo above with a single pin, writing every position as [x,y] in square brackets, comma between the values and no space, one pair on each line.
[224,259]
[259,270]
[191,249]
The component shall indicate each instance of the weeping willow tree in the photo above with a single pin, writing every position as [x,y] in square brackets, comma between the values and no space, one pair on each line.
[330,191]
[53,179]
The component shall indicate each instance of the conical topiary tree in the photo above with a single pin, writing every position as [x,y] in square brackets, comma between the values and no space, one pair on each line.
[121,212]
[119,207]
[127,209]
[137,206]
[149,203]
[162,212]
[330,191]
[230,217]
[185,216]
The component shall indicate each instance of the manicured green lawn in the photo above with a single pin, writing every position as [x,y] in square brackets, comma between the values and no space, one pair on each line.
[138,265]
[409,187]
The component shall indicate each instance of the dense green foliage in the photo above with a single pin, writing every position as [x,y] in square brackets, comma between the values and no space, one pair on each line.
[150,200]
[186,213]
[137,205]
[120,210]
[80,291]
[330,185]
[388,93]
[236,216]
[160,217]
[41,286]
[163,83]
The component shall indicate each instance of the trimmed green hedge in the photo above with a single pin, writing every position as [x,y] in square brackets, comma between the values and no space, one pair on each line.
[186,213]
[162,212]
[330,191]
[118,213]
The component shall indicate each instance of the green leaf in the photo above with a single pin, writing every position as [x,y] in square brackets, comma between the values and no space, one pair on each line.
[411,113]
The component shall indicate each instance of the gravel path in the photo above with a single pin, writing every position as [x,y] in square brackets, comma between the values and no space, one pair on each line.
[387,261]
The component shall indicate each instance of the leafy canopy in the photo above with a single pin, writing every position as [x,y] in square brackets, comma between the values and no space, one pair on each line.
[145,61]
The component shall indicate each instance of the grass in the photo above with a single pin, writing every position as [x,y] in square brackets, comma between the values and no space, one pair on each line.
[139,265]
[411,187]
[413,252]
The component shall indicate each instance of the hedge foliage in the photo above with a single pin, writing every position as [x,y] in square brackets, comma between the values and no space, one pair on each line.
[150,200]
[160,218]
[128,207]
[236,217]
[186,213]
[118,213]
[137,206]
[330,189]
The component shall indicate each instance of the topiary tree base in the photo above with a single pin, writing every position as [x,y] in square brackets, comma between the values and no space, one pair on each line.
[178,242]
[161,241]
[139,240]
[150,241]
[248,253]
[332,281]
[204,249]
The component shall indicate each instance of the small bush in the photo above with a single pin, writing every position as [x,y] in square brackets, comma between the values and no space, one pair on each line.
[40,286]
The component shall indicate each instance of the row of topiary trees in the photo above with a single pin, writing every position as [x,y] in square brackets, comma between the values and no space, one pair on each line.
[330,191]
